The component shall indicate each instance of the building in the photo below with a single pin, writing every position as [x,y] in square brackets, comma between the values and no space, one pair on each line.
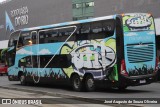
[18,14]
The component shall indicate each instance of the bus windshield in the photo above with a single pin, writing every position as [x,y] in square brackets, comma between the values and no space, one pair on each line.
[13,39]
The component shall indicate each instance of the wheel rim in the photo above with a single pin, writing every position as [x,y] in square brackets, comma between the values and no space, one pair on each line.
[22,79]
[90,83]
[76,82]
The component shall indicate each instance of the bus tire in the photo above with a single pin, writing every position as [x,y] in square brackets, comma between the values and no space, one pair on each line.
[89,83]
[122,88]
[76,83]
[158,75]
[22,79]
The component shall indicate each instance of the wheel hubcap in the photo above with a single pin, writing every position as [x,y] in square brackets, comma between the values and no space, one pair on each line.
[22,78]
[76,83]
[90,83]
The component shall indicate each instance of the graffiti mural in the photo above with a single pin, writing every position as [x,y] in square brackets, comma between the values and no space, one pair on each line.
[91,56]
[48,73]
[134,22]
[141,71]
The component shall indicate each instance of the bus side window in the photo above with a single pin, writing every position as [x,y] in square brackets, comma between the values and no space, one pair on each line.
[61,35]
[33,61]
[20,42]
[24,39]
[65,34]
[48,36]
[34,39]
[85,28]
[96,27]
[58,35]
[70,33]
[13,39]
[54,33]
[83,32]
[96,31]
[109,27]
[27,41]
[59,61]
[22,62]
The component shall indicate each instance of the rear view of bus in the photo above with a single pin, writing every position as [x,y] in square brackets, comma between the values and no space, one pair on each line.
[138,63]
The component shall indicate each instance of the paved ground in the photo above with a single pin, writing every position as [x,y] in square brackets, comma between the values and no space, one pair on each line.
[146,91]
[5,93]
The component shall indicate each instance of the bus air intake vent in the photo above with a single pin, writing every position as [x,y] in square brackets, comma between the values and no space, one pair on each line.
[140,53]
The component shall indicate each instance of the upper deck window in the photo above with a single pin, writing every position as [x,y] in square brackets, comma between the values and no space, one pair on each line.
[13,39]
[56,35]
[24,39]
[95,30]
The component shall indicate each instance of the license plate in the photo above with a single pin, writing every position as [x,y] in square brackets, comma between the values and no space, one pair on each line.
[142,81]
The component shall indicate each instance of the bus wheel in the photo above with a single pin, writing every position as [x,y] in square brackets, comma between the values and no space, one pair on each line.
[76,83]
[122,88]
[89,83]
[22,80]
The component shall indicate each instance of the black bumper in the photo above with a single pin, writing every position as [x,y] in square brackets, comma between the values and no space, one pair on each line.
[138,80]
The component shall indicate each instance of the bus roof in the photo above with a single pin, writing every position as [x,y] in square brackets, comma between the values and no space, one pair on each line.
[69,23]
[135,13]
[76,22]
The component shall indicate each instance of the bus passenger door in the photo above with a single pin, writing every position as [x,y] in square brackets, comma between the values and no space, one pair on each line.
[11,54]
[34,56]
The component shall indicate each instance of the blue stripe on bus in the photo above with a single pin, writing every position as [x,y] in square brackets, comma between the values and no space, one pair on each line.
[62,24]
[84,21]
[45,27]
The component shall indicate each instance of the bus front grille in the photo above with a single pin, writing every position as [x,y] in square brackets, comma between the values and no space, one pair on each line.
[140,53]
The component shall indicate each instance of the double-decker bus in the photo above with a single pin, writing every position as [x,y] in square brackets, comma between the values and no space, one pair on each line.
[116,51]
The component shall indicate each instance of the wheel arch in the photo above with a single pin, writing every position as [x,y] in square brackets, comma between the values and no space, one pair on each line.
[87,74]
[84,76]
[19,74]
[74,73]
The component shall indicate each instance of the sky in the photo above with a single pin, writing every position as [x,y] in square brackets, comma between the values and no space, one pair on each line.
[2,0]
